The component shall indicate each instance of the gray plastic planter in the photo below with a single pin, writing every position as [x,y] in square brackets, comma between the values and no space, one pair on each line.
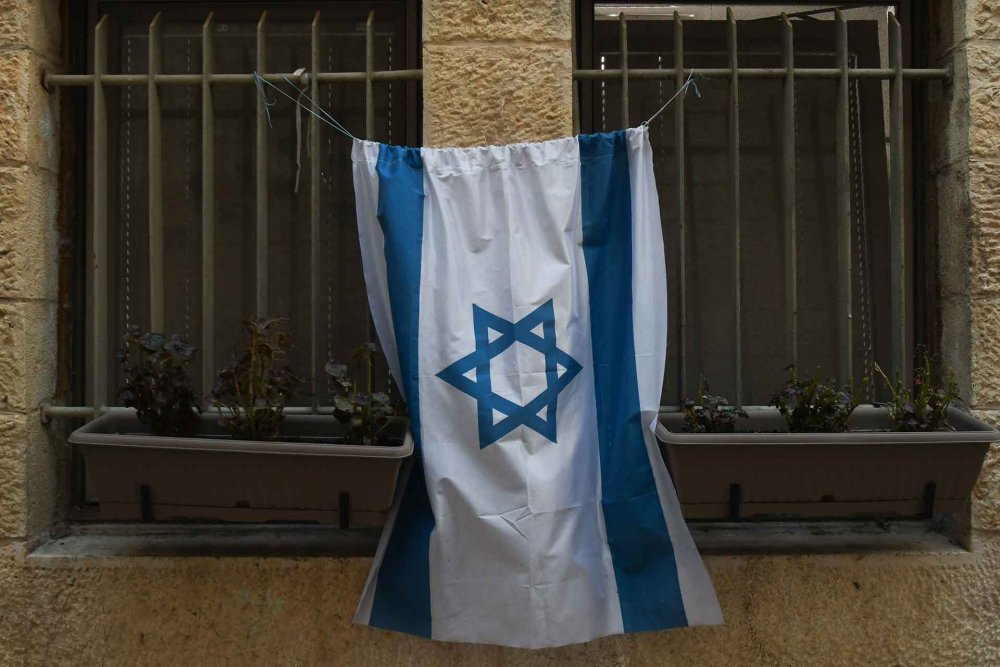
[865,472]
[138,476]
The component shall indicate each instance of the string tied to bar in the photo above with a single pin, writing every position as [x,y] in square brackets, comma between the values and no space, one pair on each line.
[298,130]
[690,82]
[320,113]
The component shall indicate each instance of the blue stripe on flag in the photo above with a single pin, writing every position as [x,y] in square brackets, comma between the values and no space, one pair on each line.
[402,591]
[641,551]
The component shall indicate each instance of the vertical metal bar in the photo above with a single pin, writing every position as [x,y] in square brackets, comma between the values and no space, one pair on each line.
[155,123]
[897,236]
[575,83]
[843,205]
[369,67]
[734,180]
[207,208]
[788,195]
[262,173]
[679,153]
[369,114]
[100,222]
[314,210]
[623,35]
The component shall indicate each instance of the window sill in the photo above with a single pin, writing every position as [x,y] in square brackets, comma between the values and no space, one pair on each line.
[97,541]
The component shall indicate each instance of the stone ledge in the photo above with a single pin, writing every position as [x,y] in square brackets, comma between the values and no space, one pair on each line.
[104,541]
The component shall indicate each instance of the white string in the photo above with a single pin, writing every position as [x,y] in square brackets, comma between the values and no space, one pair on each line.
[266,103]
[682,92]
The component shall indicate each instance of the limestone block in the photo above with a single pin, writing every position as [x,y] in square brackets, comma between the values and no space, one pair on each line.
[837,610]
[28,133]
[948,107]
[13,482]
[986,495]
[984,99]
[950,192]
[983,19]
[850,609]
[27,354]
[984,203]
[47,473]
[496,94]
[985,370]
[13,605]
[498,20]
[31,23]
[28,236]
[956,337]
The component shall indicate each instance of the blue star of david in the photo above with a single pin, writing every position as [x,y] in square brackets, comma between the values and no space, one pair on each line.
[539,414]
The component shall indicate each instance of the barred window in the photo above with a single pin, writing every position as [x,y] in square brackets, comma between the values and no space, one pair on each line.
[780,298]
[239,214]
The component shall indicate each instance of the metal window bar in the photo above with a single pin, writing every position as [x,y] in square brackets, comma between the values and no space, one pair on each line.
[789,73]
[208,79]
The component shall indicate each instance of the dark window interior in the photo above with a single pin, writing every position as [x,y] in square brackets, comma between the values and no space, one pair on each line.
[341,324]
[710,302]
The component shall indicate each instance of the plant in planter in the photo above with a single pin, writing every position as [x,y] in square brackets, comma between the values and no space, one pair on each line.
[709,413]
[810,406]
[251,392]
[924,407]
[300,474]
[797,459]
[158,382]
[365,414]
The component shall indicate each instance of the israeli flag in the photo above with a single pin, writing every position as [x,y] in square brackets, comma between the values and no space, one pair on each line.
[519,293]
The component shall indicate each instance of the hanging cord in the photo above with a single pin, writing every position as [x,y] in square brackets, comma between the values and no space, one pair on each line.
[266,103]
[681,92]
[298,131]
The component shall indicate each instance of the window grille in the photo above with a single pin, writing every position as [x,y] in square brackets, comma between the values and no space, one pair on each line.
[665,58]
[212,84]
[733,73]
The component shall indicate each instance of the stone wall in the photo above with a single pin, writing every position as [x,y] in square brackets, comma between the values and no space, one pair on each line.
[497,71]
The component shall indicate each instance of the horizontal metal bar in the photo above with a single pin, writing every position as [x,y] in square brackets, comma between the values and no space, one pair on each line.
[417,74]
[197,79]
[69,80]
[88,412]
[765,73]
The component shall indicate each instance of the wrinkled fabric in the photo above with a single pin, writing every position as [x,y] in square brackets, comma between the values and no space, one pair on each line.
[519,293]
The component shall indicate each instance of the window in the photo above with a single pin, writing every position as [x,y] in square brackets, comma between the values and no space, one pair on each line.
[259,259]
[340,326]
[740,325]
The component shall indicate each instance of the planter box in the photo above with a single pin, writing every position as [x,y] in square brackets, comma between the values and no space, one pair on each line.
[863,473]
[137,476]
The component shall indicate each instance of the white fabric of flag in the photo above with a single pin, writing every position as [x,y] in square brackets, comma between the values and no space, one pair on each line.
[519,293]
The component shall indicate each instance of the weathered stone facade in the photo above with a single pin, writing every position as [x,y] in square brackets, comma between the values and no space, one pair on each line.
[497,71]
